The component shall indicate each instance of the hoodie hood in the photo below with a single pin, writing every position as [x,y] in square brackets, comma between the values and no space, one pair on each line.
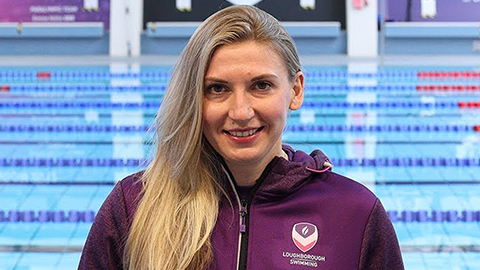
[285,176]
[316,161]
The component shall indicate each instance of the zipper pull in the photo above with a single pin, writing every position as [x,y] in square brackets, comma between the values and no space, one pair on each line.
[243,214]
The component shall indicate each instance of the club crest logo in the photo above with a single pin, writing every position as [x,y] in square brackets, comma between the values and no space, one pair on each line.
[304,235]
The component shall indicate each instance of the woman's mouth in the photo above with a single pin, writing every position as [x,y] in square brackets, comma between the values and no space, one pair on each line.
[244,133]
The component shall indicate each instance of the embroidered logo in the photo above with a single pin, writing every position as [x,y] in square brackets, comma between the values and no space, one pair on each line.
[304,235]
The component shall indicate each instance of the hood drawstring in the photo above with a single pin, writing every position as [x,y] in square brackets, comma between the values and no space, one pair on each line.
[326,166]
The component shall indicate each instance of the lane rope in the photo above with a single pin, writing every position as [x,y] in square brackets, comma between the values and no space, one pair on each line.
[340,162]
[308,104]
[289,128]
[76,216]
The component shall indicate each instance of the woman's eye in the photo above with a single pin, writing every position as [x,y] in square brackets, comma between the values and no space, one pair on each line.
[263,85]
[216,89]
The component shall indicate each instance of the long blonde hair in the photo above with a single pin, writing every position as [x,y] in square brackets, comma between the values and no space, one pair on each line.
[180,198]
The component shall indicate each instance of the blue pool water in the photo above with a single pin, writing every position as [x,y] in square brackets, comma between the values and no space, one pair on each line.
[68,133]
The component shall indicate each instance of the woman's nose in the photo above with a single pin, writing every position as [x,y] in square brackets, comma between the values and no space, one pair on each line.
[241,108]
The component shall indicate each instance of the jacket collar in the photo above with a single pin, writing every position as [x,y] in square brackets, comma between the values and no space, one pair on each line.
[282,177]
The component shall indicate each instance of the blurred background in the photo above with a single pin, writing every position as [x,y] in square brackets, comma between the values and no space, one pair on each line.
[392,97]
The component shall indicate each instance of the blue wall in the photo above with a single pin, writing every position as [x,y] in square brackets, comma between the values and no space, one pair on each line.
[168,39]
[62,39]
[432,38]
[310,38]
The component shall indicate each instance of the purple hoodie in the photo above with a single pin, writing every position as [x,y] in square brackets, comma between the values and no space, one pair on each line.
[299,215]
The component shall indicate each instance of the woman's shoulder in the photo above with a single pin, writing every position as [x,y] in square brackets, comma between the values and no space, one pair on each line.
[132,184]
[351,191]
[104,246]
[326,179]
[131,189]
[347,183]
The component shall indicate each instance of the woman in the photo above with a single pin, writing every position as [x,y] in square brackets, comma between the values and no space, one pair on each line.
[222,191]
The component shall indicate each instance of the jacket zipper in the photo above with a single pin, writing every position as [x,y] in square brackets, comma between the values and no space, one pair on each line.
[244,208]
[243,232]
[244,214]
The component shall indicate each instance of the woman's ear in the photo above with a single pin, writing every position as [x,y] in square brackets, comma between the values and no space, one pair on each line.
[297,98]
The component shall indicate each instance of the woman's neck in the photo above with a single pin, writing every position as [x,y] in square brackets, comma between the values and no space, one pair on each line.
[248,174]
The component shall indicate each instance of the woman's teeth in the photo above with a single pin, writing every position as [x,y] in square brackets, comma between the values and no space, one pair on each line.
[244,133]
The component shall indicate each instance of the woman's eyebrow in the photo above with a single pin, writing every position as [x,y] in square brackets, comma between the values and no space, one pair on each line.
[256,78]
[214,79]
[265,76]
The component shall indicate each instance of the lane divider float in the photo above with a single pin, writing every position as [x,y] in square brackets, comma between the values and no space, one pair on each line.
[78,216]
[339,162]
[308,104]
[449,87]
[288,128]
[310,73]
[54,216]
[448,74]
[434,216]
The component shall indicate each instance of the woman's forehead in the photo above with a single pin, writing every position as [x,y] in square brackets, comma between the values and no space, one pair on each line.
[249,55]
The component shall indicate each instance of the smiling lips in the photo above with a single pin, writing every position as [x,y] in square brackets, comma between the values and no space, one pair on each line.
[245,133]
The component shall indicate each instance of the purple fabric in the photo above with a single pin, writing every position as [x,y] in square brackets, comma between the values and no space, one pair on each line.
[243,191]
[353,229]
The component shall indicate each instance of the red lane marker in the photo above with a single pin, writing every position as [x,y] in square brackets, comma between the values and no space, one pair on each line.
[447,87]
[476,128]
[5,88]
[469,104]
[444,87]
[448,74]
[455,74]
[43,75]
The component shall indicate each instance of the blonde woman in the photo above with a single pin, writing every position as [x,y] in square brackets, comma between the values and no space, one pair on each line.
[223,192]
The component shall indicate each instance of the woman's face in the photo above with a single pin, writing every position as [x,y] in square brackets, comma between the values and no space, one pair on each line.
[247,95]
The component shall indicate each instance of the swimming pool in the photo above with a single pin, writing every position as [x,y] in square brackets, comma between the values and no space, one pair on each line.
[409,133]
